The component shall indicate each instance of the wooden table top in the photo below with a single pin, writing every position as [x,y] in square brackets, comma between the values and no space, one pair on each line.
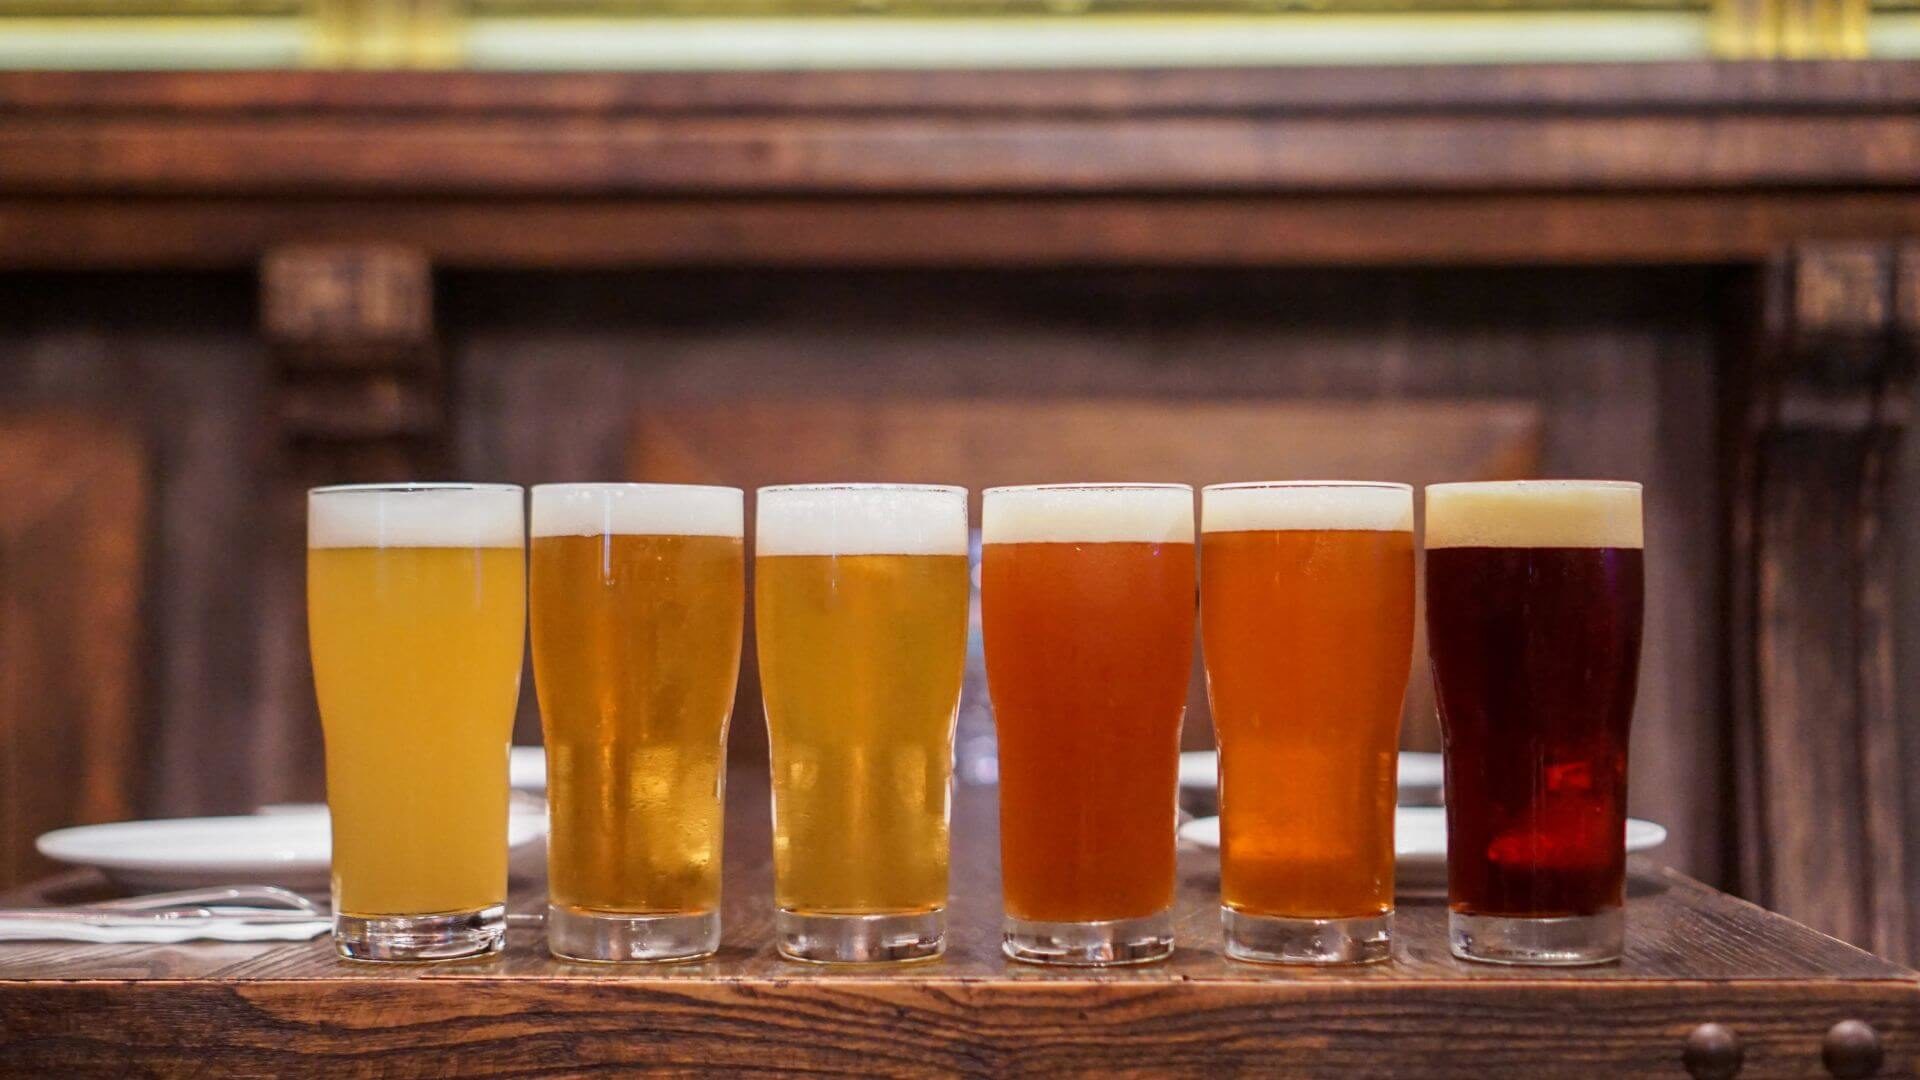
[1694,955]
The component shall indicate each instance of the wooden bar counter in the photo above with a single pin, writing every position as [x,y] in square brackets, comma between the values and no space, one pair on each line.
[1695,957]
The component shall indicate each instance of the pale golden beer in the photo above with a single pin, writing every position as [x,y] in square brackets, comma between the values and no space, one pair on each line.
[637,593]
[416,615]
[860,601]
[1306,605]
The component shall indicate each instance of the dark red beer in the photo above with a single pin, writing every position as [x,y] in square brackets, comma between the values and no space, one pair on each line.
[1535,658]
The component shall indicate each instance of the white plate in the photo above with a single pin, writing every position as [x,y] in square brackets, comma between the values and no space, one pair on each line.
[1200,770]
[1420,841]
[291,848]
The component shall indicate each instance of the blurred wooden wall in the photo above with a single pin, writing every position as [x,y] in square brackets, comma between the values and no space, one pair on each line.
[562,376]
[73,539]
[1702,276]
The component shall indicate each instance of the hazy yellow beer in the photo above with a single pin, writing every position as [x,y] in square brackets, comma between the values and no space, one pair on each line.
[416,612]
[637,593]
[860,600]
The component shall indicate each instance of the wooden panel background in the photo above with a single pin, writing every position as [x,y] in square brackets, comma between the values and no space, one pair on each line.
[547,373]
[72,539]
[177,357]
[1619,366]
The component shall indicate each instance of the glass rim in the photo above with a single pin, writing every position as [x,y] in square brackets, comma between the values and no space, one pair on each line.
[411,487]
[1266,485]
[880,486]
[1537,485]
[631,485]
[1114,486]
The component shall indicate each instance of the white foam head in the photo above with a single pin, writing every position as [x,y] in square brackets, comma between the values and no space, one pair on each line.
[638,510]
[1535,513]
[860,519]
[1291,506]
[416,515]
[1088,514]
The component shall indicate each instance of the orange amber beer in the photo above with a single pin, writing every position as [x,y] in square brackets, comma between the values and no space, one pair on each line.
[860,616]
[416,617]
[637,592]
[1306,616]
[1087,596]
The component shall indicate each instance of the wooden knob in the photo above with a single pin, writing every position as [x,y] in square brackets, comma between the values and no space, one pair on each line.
[1852,1049]
[1712,1053]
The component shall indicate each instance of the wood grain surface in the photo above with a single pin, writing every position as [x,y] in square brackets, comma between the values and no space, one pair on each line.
[1694,956]
[1035,230]
[1825,403]
[1799,86]
[1693,163]
[1423,129]
[71,585]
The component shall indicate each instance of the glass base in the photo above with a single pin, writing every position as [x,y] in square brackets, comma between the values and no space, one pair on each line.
[1563,941]
[411,938]
[610,936]
[860,939]
[1089,944]
[1275,939]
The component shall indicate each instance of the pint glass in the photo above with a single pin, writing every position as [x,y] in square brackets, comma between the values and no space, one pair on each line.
[416,616]
[1087,598]
[1306,616]
[636,598]
[860,616]
[1533,622]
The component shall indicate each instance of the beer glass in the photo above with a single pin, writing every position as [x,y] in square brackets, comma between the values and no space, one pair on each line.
[1306,615]
[1087,599]
[416,617]
[860,615]
[636,598]
[1533,623]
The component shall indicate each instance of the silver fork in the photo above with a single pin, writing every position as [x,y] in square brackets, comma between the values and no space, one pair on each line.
[249,904]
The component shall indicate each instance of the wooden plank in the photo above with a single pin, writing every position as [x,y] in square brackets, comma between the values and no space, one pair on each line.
[70,592]
[929,1027]
[1427,129]
[1847,85]
[1678,931]
[1694,955]
[299,154]
[1441,229]
[1821,410]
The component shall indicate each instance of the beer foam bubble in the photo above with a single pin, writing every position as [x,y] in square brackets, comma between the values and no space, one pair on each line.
[1088,514]
[424,515]
[1535,513]
[638,510]
[860,519]
[1282,507]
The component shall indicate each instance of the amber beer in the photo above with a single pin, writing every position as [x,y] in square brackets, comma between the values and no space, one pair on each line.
[637,593]
[1534,593]
[416,617]
[1307,621]
[1087,597]
[860,616]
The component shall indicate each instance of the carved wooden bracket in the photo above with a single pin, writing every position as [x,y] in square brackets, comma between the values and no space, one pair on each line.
[361,395]
[1820,412]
